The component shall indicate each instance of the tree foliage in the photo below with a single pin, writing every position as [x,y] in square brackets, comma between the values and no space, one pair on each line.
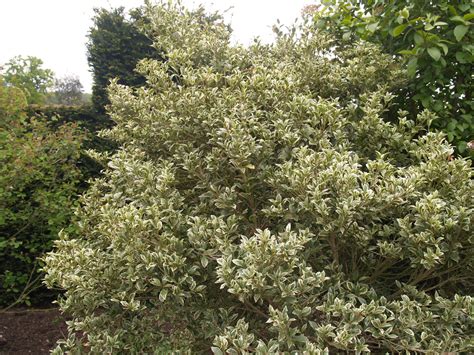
[115,47]
[271,200]
[28,74]
[68,91]
[436,40]
[12,101]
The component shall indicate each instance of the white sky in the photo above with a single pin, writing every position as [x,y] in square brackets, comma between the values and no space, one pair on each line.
[56,30]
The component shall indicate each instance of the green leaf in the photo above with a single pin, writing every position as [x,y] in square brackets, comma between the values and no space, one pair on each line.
[464,7]
[452,10]
[444,47]
[468,17]
[418,39]
[458,19]
[407,52]
[398,30]
[438,106]
[320,23]
[405,13]
[426,102]
[452,125]
[462,57]
[163,294]
[216,350]
[462,146]
[435,53]
[300,338]
[238,262]
[415,20]
[467,117]
[411,66]
[460,31]
[373,27]
[468,48]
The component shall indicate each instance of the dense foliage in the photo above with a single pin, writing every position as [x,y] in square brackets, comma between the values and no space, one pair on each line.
[84,115]
[38,189]
[90,122]
[435,37]
[115,46]
[28,74]
[270,200]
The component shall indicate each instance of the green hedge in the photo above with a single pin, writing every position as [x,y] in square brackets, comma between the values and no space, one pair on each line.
[39,184]
[44,167]
[85,116]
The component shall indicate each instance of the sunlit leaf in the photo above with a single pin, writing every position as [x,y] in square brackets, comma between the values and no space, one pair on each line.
[398,30]
[434,52]
[460,31]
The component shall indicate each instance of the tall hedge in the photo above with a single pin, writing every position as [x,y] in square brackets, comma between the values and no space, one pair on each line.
[271,201]
[115,46]
[44,166]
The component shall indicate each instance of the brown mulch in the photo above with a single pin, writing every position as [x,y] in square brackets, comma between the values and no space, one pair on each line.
[30,331]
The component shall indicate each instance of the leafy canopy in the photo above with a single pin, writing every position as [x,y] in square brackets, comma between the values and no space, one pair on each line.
[67,91]
[12,101]
[28,74]
[269,199]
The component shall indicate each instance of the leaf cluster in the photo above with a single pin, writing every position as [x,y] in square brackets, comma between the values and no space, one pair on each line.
[435,38]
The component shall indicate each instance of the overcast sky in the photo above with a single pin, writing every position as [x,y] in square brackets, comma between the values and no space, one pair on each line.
[56,30]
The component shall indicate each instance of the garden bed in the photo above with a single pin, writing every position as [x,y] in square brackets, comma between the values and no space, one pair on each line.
[31,331]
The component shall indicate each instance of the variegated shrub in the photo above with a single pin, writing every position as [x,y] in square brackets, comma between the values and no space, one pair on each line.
[269,199]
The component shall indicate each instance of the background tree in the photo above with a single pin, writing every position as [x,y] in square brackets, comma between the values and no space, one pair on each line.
[12,103]
[436,40]
[115,47]
[28,74]
[68,90]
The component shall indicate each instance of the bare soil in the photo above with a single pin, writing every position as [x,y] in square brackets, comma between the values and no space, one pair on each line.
[31,331]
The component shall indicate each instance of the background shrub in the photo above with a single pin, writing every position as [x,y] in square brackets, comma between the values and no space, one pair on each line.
[39,183]
[270,200]
[91,122]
